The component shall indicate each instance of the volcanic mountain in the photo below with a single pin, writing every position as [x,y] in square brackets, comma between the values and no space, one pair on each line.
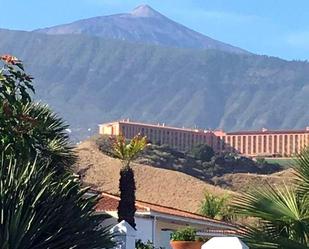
[143,25]
[88,76]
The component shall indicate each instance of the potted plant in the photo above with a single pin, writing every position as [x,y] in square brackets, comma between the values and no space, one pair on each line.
[185,238]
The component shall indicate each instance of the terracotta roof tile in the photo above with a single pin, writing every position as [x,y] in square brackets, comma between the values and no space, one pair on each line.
[110,203]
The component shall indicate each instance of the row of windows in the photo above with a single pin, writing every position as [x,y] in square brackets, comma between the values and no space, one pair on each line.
[251,144]
[268,144]
[181,140]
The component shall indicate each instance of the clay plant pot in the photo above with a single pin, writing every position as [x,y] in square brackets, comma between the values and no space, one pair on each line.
[186,244]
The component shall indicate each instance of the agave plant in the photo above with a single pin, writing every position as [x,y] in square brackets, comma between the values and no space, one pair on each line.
[282,212]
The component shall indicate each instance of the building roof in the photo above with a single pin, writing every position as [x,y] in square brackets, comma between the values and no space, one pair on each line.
[110,202]
[256,132]
[158,126]
[269,132]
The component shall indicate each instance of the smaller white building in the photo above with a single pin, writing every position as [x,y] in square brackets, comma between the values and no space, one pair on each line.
[156,222]
[225,242]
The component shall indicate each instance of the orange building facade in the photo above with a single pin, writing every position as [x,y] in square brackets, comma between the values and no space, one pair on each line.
[248,143]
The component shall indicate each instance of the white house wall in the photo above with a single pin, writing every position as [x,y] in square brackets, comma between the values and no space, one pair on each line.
[144,228]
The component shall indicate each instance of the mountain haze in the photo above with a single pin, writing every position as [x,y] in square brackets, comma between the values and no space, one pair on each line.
[143,66]
[143,25]
[90,80]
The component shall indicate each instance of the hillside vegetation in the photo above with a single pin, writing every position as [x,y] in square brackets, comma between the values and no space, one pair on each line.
[90,80]
[163,156]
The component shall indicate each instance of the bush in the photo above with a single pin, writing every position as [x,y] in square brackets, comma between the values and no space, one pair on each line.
[184,234]
[203,152]
[260,160]
[139,244]
[105,144]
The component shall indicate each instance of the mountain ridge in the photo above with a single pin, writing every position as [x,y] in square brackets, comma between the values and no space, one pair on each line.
[90,80]
[145,25]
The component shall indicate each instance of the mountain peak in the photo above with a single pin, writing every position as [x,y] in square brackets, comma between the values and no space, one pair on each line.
[145,10]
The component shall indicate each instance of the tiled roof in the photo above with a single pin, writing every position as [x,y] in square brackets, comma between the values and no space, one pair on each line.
[110,203]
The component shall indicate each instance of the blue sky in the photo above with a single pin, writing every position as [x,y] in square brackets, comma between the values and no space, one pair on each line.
[272,27]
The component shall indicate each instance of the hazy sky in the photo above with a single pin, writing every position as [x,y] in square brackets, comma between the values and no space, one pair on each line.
[273,27]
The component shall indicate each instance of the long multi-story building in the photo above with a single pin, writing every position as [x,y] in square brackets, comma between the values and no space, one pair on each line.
[249,143]
[179,138]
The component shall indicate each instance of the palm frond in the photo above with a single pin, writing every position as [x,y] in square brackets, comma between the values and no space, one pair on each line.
[301,168]
[127,151]
[38,211]
[281,212]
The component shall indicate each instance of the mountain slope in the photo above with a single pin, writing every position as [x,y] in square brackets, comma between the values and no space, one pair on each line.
[143,25]
[161,186]
[90,80]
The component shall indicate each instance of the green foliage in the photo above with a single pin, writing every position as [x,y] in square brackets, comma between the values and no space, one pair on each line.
[127,151]
[260,160]
[283,213]
[41,202]
[105,144]
[216,207]
[149,245]
[140,245]
[40,212]
[203,152]
[163,156]
[31,129]
[184,234]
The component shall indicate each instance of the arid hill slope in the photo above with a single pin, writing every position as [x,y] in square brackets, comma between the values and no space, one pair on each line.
[161,186]
[242,182]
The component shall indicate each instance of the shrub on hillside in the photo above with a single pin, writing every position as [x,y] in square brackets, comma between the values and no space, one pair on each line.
[202,152]
[105,144]
[166,157]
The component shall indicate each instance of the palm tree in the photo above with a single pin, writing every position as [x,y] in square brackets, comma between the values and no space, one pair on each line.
[42,204]
[282,213]
[216,207]
[127,152]
[39,210]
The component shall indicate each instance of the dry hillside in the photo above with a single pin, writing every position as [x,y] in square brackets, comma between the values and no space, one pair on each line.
[240,182]
[165,187]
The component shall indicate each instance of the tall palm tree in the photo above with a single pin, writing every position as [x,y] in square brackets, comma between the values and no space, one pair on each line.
[127,152]
[282,213]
